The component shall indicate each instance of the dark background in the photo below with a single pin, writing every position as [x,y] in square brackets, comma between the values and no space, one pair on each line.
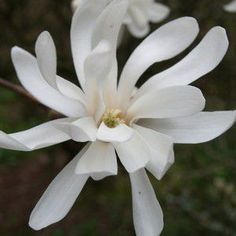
[198,194]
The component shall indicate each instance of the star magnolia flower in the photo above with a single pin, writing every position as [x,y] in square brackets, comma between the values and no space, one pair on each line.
[141,125]
[139,14]
[231,7]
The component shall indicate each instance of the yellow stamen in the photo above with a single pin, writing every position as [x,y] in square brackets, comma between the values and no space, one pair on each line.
[112,118]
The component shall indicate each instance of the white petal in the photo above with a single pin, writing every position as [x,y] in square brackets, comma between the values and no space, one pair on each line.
[231,7]
[86,125]
[199,128]
[77,3]
[147,213]
[46,57]
[81,130]
[7,142]
[134,154]
[99,159]
[69,89]
[38,137]
[121,133]
[165,43]
[108,26]
[98,63]
[92,23]
[82,28]
[158,12]
[201,60]
[59,197]
[161,146]
[168,102]
[96,68]
[109,23]
[28,72]
[139,25]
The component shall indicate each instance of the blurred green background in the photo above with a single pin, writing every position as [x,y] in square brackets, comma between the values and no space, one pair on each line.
[198,194]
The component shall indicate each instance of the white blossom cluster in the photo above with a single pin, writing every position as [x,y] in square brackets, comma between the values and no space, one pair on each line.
[115,118]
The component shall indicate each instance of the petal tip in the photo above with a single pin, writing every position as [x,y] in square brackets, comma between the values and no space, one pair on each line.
[34,225]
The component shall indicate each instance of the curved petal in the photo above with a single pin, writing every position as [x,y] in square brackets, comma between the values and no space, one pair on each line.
[81,32]
[108,27]
[98,63]
[134,154]
[139,25]
[28,73]
[96,68]
[38,137]
[109,23]
[147,213]
[198,128]
[46,57]
[77,3]
[162,154]
[70,90]
[84,31]
[59,197]
[99,159]
[168,102]
[81,130]
[230,7]
[157,12]
[164,43]
[201,60]
[121,133]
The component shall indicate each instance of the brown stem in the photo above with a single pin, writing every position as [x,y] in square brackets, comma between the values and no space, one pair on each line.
[17,88]
[20,90]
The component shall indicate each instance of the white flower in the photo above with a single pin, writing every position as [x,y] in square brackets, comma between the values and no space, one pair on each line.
[230,7]
[141,125]
[139,14]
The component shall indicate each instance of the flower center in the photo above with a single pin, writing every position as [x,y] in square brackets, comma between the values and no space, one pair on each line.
[113,118]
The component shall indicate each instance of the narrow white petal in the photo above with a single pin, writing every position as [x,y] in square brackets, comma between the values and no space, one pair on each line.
[109,22]
[134,154]
[139,25]
[161,146]
[7,142]
[77,3]
[28,73]
[201,60]
[104,27]
[230,7]
[158,12]
[147,213]
[198,128]
[121,133]
[96,68]
[46,57]
[98,63]
[81,130]
[40,136]
[99,160]
[168,102]
[138,32]
[59,197]
[69,89]
[108,26]
[82,30]
[165,43]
